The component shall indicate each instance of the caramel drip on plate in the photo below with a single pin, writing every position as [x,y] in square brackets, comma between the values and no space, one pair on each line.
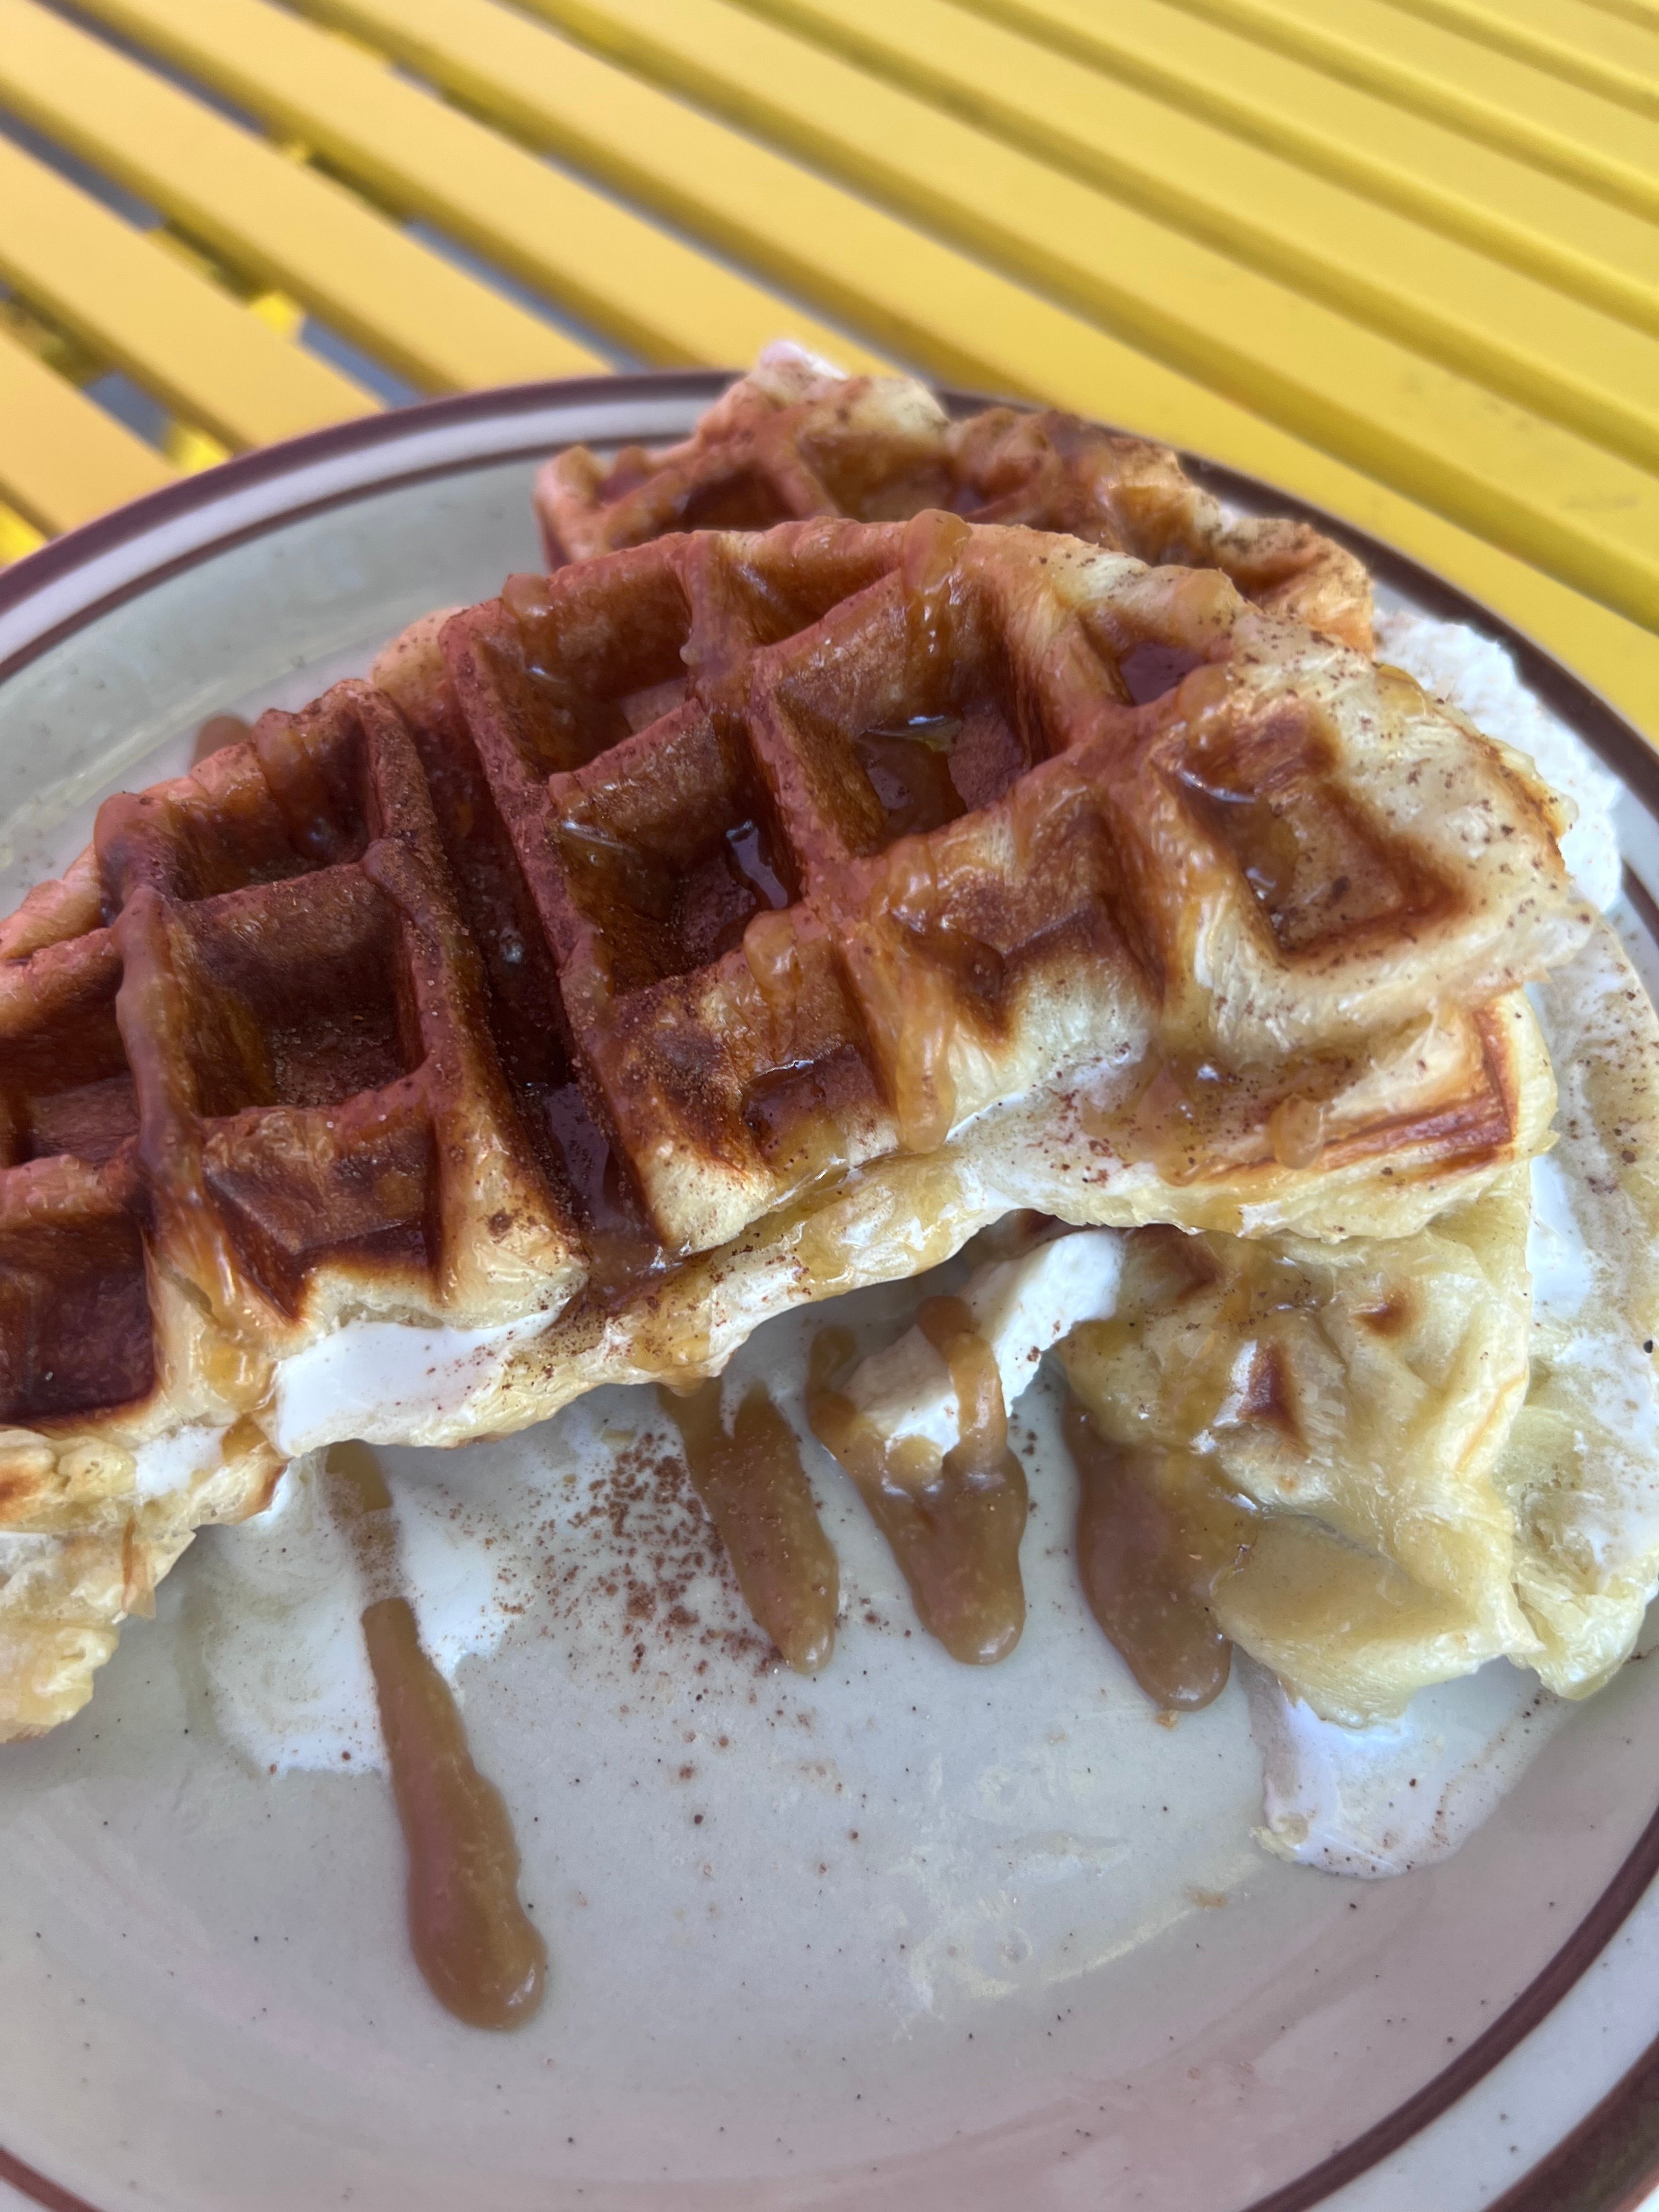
[1156,1535]
[483,1959]
[216,734]
[755,1490]
[954,1525]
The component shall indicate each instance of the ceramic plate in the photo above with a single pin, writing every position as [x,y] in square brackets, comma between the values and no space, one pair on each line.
[907,1935]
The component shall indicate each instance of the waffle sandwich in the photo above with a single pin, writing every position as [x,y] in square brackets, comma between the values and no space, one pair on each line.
[722,923]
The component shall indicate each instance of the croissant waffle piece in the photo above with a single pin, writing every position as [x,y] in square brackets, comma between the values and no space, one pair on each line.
[1380,1379]
[1451,1453]
[722,923]
[795,438]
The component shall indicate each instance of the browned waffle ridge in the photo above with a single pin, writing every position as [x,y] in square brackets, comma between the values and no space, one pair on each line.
[796,438]
[720,923]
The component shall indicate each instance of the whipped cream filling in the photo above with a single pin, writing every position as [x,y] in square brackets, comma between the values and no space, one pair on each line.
[1474,674]
[377,1380]
[1558,1260]
[1022,1309]
[166,1464]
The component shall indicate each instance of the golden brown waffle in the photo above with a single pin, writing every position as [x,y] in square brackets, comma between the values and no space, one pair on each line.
[795,438]
[637,965]
[855,884]
[273,1058]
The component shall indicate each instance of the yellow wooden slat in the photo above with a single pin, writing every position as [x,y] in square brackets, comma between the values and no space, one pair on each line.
[1522,88]
[957,318]
[949,314]
[1642,13]
[173,333]
[1514,112]
[1590,516]
[650,292]
[1089,371]
[1503,330]
[1626,32]
[16,536]
[62,459]
[281,222]
[1570,43]
[1505,207]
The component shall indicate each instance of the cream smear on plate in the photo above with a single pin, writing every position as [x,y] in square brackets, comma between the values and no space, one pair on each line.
[282,1601]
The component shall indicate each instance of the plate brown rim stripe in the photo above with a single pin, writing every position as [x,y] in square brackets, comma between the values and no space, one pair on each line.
[105,533]
[1533,2005]
[36,2185]
[1643,900]
[1607,2163]
[226,542]
[1616,2146]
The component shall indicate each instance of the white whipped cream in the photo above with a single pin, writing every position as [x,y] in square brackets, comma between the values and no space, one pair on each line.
[373,1380]
[1398,1794]
[368,1379]
[1558,1259]
[166,1464]
[1022,1308]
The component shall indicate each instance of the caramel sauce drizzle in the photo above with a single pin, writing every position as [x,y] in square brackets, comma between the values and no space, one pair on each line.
[908,767]
[624,1252]
[931,548]
[1156,1536]
[483,1959]
[953,1525]
[1193,1111]
[752,1482]
[911,1007]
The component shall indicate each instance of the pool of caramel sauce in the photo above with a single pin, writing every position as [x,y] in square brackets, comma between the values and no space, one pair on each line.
[483,1957]
[953,1523]
[1156,1535]
[755,1491]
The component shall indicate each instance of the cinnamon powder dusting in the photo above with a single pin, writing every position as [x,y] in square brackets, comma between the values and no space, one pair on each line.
[635,1574]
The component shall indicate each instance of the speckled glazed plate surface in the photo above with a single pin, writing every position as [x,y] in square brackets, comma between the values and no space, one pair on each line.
[908,1934]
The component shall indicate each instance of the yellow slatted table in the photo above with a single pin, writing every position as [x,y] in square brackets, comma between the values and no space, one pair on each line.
[1399,256]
